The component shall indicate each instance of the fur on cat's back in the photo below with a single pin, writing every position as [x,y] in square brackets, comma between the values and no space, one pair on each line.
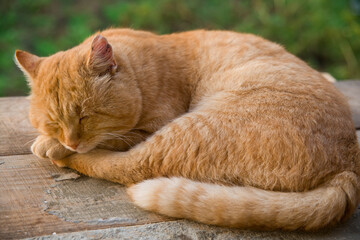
[215,126]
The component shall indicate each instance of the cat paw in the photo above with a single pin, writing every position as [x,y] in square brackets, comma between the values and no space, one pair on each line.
[47,147]
[68,161]
[60,163]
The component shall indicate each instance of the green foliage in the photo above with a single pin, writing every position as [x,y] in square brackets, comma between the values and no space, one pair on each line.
[324,33]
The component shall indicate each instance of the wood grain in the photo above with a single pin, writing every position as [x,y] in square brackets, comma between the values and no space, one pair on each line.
[32,203]
[16,132]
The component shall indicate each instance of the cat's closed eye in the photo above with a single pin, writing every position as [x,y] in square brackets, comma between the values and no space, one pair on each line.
[81,119]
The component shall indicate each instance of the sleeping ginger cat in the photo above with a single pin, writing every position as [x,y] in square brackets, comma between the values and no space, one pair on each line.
[219,127]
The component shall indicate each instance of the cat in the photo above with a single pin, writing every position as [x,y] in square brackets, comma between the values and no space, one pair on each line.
[219,127]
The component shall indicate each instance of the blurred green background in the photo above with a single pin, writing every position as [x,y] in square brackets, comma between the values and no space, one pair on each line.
[325,33]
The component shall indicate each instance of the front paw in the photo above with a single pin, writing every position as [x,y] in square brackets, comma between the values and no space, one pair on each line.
[63,163]
[82,162]
[47,147]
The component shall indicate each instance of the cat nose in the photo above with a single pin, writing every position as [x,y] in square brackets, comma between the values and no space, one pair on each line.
[74,146]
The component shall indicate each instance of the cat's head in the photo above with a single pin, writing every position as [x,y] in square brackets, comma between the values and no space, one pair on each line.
[81,96]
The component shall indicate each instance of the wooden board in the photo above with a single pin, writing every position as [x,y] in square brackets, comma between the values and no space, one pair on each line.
[187,230]
[351,89]
[16,132]
[33,203]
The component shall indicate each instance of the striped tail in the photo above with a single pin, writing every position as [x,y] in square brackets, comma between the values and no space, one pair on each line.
[248,207]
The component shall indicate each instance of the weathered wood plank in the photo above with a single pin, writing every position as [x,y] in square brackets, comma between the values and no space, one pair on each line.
[351,89]
[16,132]
[32,203]
[183,229]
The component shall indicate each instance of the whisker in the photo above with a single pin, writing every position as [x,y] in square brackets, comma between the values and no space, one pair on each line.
[129,139]
[136,134]
[131,133]
[121,137]
[32,134]
[32,140]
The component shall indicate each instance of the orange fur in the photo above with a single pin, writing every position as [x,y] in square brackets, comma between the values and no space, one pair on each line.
[252,136]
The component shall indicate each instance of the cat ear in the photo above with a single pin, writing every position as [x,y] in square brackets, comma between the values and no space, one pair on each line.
[27,62]
[101,58]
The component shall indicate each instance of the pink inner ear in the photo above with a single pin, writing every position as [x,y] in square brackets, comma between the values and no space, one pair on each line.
[101,56]
[101,48]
